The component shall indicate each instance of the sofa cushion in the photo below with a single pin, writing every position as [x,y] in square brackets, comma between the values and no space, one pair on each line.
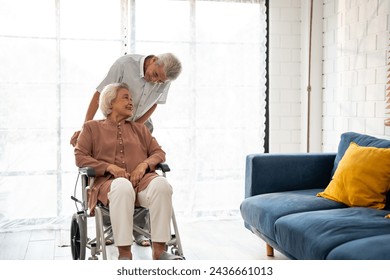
[261,211]
[369,248]
[362,177]
[313,235]
[361,140]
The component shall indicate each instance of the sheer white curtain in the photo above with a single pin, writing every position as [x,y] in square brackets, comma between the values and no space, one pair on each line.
[215,111]
[53,60]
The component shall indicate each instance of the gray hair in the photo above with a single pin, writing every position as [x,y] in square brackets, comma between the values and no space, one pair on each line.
[108,94]
[171,64]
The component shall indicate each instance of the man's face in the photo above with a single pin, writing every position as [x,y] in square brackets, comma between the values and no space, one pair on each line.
[122,105]
[155,73]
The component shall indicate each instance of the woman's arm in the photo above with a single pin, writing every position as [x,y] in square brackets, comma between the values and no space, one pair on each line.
[84,153]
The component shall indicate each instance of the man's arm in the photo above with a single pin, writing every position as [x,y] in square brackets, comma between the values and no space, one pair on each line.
[93,106]
[92,109]
[147,115]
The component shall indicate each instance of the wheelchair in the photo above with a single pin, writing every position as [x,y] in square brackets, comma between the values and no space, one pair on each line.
[79,239]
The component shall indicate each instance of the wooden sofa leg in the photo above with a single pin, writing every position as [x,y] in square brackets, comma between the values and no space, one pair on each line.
[270,250]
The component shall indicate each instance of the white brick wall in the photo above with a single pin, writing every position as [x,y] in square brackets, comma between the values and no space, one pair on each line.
[355,38]
[285,64]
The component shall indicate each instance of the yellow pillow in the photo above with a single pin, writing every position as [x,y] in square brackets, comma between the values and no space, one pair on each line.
[362,177]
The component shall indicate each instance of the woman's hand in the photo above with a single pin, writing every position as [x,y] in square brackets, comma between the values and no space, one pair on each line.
[138,173]
[117,171]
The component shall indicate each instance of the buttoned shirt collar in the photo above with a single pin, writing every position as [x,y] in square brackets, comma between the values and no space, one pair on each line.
[141,67]
[113,123]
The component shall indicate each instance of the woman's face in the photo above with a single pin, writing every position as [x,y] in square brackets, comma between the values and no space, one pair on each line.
[122,105]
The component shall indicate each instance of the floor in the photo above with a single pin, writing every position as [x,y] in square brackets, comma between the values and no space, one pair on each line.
[225,239]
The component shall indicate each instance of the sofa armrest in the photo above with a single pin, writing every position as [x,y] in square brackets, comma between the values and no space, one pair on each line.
[267,173]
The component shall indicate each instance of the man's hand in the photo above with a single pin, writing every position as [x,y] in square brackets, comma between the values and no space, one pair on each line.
[73,140]
[117,171]
[138,173]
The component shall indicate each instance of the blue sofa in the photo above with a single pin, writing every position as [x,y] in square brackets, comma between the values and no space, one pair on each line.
[281,206]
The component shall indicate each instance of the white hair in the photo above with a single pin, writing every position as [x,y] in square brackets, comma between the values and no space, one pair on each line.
[171,64]
[108,94]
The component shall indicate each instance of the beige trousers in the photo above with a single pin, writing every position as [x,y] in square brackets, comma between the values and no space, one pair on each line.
[157,197]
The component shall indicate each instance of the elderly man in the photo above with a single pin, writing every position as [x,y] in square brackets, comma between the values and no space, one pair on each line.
[124,155]
[149,78]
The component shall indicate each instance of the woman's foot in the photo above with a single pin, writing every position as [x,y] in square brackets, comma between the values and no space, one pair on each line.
[122,258]
[125,253]
[157,249]
[159,252]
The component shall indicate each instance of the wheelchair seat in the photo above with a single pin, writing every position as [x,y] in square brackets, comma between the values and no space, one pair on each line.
[79,238]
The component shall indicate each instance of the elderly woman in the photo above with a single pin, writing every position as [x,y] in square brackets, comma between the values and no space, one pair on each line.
[124,155]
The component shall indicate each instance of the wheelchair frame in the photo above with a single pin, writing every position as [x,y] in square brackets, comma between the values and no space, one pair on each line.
[79,240]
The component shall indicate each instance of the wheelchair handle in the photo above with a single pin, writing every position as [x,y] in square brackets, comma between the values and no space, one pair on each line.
[75,199]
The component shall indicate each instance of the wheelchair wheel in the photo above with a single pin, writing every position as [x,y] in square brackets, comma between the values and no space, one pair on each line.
[78,237]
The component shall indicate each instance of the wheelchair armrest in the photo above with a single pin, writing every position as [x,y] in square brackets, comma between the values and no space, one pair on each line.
[164,167]
[88,171]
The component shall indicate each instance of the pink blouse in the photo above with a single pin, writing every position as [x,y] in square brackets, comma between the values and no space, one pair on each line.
[125,144]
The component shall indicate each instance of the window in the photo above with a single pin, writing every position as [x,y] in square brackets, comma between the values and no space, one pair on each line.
[53,60]
[214,115]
